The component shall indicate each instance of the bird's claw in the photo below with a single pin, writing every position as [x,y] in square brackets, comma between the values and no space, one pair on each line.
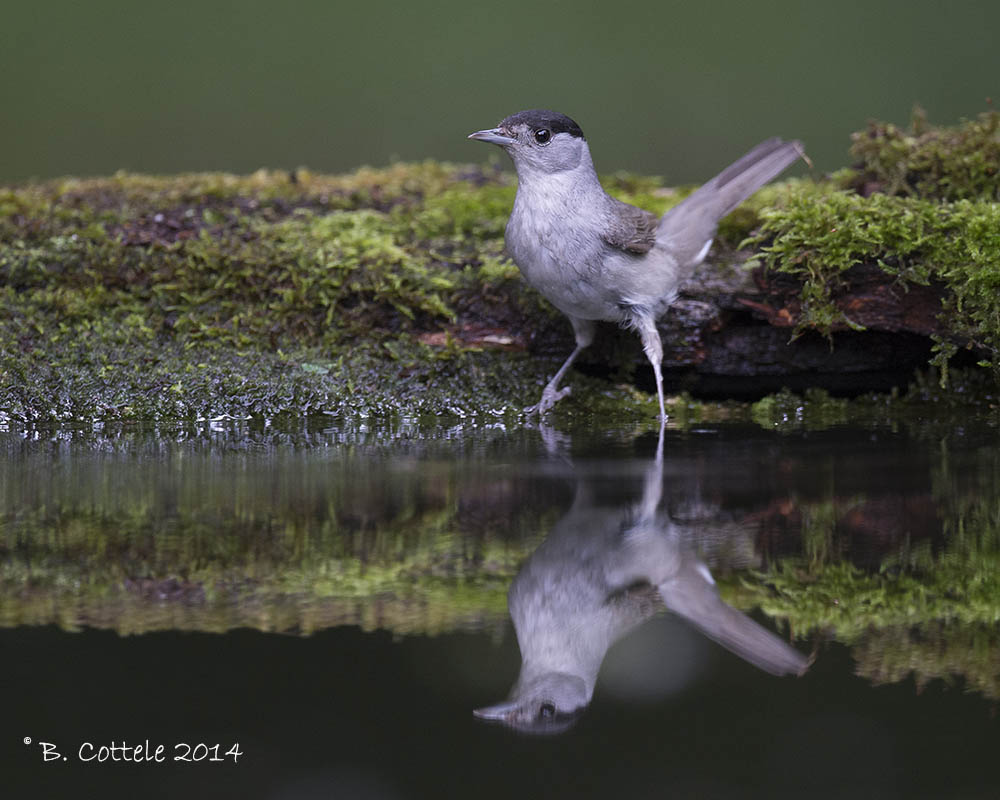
[549,398]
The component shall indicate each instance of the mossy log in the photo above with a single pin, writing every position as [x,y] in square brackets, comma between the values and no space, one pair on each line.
[388,291]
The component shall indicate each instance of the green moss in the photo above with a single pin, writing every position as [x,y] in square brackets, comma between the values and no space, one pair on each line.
[305,277]
[939,163]
[465,210]
[819,233]
[199,296]
[921,206]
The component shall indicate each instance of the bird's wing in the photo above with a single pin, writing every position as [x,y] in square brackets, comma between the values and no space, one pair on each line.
[629,228]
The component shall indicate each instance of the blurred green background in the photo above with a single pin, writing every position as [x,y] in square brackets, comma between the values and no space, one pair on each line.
[670,88]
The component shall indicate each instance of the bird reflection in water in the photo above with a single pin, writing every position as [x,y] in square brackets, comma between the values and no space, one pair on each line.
[598,575]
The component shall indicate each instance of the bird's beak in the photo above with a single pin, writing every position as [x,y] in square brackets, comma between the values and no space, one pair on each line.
[493,136]
[501,711]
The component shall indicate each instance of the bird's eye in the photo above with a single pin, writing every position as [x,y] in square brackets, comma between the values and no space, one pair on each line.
[547,711]
[543,135]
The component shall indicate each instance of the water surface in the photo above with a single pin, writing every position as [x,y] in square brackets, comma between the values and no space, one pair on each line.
[333,599]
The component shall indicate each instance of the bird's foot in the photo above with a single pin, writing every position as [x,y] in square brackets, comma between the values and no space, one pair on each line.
[549,398]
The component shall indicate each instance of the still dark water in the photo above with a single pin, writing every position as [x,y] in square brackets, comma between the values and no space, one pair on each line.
[327,606]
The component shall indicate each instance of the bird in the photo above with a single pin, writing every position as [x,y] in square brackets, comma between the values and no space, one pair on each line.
[595,257]
[601,572]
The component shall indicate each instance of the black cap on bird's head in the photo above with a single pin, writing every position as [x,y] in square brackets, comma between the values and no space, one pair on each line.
[548,703]
[543,119]
[527,136]
[539,124]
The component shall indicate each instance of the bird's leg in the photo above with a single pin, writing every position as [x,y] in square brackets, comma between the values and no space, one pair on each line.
[653,348]
[556,443]
[659,441]
[583,329]
[650,552]
[552,394]
[652,488]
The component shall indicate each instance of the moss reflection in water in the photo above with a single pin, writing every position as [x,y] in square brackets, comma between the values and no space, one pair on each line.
[194,537]
[83,569]
[421,535]
[922,613]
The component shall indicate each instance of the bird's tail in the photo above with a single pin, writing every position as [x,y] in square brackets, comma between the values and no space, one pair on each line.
[691,595]
[690,225]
